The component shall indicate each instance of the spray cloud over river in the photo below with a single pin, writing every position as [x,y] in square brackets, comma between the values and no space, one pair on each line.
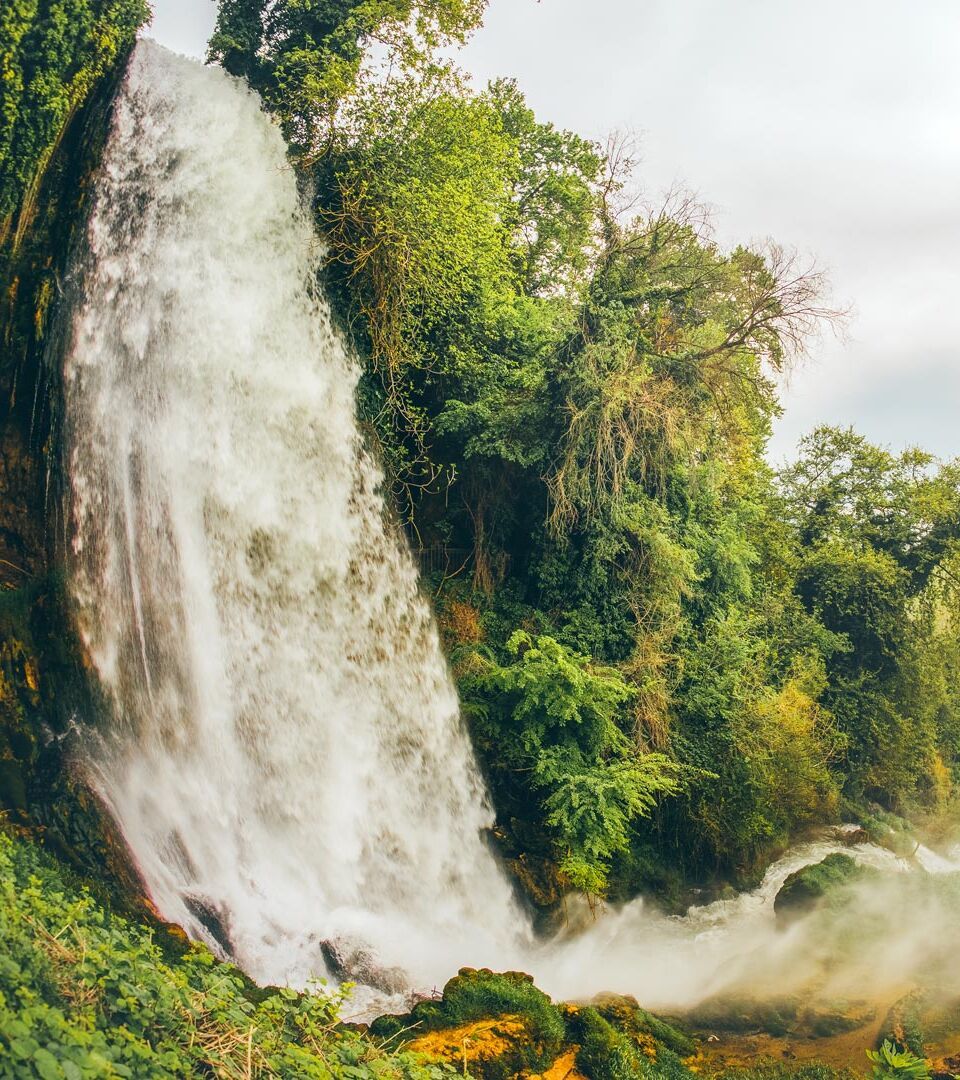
[284,751]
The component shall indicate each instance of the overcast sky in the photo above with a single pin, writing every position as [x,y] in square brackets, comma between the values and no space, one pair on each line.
[832,126]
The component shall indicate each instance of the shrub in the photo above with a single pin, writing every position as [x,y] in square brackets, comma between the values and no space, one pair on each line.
[891,1063]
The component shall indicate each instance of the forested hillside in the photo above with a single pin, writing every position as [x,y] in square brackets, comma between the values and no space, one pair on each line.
[672,656]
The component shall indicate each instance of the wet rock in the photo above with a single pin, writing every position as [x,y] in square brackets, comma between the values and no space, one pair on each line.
[13,791]
[851,835]
[348,962]
[213,920]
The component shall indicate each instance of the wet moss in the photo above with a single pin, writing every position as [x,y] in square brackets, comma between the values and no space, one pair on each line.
[625,1013]
[537,1030]
[807,888]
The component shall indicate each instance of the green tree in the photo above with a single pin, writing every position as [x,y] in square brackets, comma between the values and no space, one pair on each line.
[554,718]
[305,56]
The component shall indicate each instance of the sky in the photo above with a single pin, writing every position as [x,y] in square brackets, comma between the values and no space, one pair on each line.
[831,127]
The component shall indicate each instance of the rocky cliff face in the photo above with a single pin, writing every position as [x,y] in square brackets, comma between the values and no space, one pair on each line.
[44,692]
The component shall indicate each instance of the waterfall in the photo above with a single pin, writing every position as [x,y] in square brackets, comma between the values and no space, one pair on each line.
[281,742]
[283,749]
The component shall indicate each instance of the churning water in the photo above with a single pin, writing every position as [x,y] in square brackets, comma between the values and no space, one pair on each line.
[283,749]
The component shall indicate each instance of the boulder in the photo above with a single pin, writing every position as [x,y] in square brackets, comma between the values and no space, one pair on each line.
[351,962]
[806,889]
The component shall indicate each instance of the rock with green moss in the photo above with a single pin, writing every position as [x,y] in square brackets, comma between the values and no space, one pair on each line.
[792,1016]
[625,1013]
[497,1026]
[809,887]
[529,1035]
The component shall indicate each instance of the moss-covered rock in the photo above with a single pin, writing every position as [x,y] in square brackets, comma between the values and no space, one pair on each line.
[496,1048]
[903,1025]
[511,1025]
[497,1026]
[793,1015]
[807,888]
[625,1013]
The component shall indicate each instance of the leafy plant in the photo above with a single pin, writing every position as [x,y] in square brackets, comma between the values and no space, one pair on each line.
[890,1062]
[554,716]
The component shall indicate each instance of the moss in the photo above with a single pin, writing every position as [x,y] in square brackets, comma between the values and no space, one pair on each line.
[500,1025]
[605,1053]
[625,1013]
[491,1048]
[482,995]
[616,1043]
[776,1070]
[794,1016]
[903,1025]
[806,888]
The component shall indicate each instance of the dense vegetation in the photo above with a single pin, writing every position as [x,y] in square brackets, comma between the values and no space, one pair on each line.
[85,993]
[673,657]
[52,54]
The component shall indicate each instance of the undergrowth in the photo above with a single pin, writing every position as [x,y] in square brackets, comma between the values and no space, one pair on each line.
[85,993]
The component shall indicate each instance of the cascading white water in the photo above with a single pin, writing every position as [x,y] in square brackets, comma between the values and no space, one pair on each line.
[285,754]
[283,749]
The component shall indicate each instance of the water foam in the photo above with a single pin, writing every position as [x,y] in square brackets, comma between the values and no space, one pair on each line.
[285,753]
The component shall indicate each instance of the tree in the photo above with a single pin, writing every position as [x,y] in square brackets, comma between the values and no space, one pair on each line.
[305,56]
[554,718]
[878,534]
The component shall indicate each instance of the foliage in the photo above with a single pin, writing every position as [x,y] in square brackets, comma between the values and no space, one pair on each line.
[304,57]
[889,1062]
[608,1052]
[84,993]
[52,54]
[553,716]
[450,216]
[877,536]
[575,401]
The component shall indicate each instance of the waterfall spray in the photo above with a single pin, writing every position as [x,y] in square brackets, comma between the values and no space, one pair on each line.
[284,751]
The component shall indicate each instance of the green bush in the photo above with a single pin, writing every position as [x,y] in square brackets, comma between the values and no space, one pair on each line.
[892,1063]
[556,719]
